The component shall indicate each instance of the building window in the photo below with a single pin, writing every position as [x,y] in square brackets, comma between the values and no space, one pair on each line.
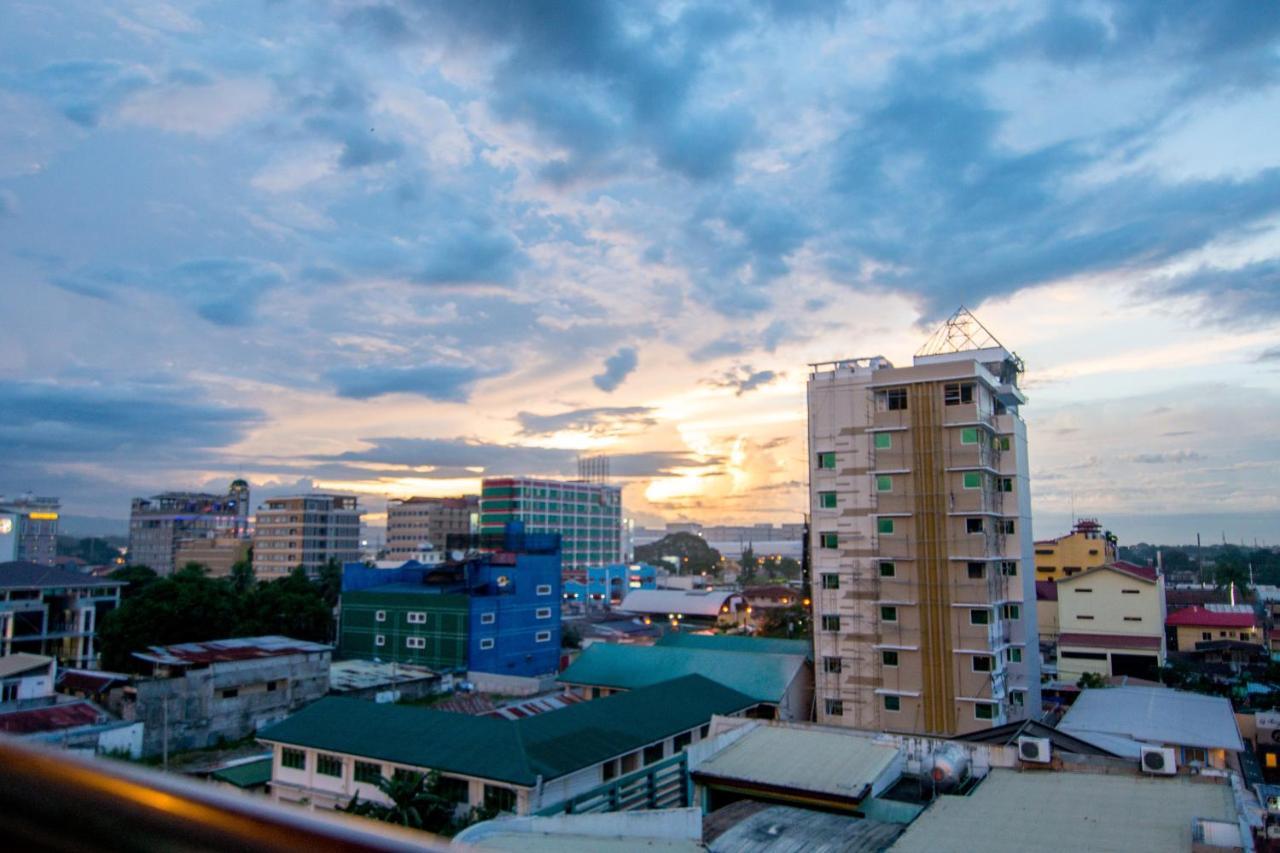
[984,711]
[543,589]
[888,658]
[831,623]
[830,664]
[1130,592]
[892,703]
[681,740]
[981,663]
[830,581]
[888,614]
[1084,589]
[415,642]
[977,571]
[884,526]
[380,640]
[887,569]
[979,617]
[1008,526]
[829,540]
[486,644]
[827,500]
[835,708]
[368,772]
[969,435]
[1206,635]
[542,613]
[827,459]
[884,441]
[1085,617]
[1000,442]
[653,754]
[973,525]
[500,799]
[1004,484]
[972,480]
[488,618]
[328,765]
[1011,611]
[884,483]
[1013,655]
[955,393]
[230,693]
[1009,568]
[892,400]
[417,618]
[380,616]
[542,637]
[294,759]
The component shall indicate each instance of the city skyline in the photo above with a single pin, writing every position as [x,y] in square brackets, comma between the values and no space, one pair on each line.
[395,249]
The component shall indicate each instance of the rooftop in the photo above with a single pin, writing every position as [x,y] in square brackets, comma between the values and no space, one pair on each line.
[680,601]
[20,662]
[1133,570]
[1085,812]
[1198,616]
[362,674]
[738,643]
[547,745]
[224,651]
[247,774]
[763,677]
[760,828]
[1121,718]
[51,718]
[24,575]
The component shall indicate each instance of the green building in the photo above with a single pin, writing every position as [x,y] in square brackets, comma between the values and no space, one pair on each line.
[403,623]
[588,516]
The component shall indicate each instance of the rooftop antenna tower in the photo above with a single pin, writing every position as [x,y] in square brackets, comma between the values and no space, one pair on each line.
[593,469]
[962,332]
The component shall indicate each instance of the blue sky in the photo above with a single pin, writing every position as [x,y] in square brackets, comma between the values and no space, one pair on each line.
[392,246]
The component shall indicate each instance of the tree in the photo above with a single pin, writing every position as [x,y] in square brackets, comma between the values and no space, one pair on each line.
[292,606]
[137,579]
[330,582]
[1091,680]
[694,554]
[570,637]
[791,623]
[418,800]
[789,567]
[188,607]
[242,578]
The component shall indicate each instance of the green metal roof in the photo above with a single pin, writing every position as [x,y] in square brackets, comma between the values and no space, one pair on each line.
[763,677]
[251,774]
[516,751]
[738,643]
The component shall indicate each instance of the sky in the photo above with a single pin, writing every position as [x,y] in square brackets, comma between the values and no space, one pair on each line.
[393,247]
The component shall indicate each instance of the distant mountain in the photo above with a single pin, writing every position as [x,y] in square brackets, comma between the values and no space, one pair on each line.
[92,525]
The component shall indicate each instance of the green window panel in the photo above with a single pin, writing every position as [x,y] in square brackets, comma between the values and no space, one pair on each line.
[827,460]
[827,500]
[830,581]
[888,614]
[969,435]
[892,703]
[884,483]
[884,441]
[888,569]
[884,526]
[972,480]
[830,540]
[889,658]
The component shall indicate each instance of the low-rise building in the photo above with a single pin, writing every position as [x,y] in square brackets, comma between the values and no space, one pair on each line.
[1190,626]
[338,748]
[1086,546]
[78,726]
[607,585]
[45,610]
[26,676]
[692,608]
[1110,622]
[201,694]
[781,684]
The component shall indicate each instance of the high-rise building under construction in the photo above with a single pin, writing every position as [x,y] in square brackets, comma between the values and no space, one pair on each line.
[923,567]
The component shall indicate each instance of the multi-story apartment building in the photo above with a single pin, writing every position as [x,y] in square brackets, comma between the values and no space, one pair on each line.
[29,529]
[307,531]
[924,602]
[47,610]
[414,524]
[1087,546]
[158,524]
[588,516]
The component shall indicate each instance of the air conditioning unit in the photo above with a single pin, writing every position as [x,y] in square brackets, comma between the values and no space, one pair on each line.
[1034,749]
[1159,760]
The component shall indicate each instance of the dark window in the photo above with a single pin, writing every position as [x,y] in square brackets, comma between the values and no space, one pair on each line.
[979,617]
[653,754]
[831,664]
[835,707]
[827,459]
[887,569]
[681,740]
[368,772]
[889,658]
[830,581]
[1009,568]
[954,393]
[831,623]
[328,765]
[892,400]
[981,663]
[1008,526]
[294,759]
[888,614]
[984,711]
[977,571]
[230,693]
[973,525]
[892,703]
[453,789]
[1083,655]
[497,798]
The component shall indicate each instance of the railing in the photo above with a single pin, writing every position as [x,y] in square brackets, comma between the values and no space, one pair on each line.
[664,785]
[53,800]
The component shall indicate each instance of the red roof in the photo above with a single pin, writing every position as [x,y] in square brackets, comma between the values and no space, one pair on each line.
[1148,572]
[1198,616]
[1108,641]
[50,719]
[1046,591]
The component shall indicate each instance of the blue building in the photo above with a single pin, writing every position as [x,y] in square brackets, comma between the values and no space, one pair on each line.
[495,612]
[608,585]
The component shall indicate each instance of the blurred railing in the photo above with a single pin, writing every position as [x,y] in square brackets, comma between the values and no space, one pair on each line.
[54,800]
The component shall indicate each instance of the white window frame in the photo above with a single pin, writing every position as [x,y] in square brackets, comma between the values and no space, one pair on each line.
[486,644]
[488,618]
[543,589]
[542,637]
[415,642]
[417,617]
[380,616]
[380,640]
[542,613]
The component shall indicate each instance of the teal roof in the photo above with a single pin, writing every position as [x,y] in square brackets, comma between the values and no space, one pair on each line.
[738,643]
[516,751]
[251,774]
[763,677]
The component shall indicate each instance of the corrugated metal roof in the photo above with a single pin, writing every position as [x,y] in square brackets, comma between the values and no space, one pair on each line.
[763,677]
[1153,715]
[249,774]
[20,662]
[784,829]
[221,651]
[517,751]
[1199,616]
[1011,812]
[738,643]
[822,761]
[24,575]
[684,602]
[51,718]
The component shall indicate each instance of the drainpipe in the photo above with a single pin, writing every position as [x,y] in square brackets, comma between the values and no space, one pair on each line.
[537,793]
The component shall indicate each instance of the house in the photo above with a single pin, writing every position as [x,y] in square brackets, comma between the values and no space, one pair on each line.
[697,608]
[200,694]
[46,610]
[781,685]
[26,676]
[76,725]
[1111,622]
[1123,720]
[1190,626]
[338,748]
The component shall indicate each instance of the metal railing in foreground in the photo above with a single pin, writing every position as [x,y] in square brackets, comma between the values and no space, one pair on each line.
[54,800]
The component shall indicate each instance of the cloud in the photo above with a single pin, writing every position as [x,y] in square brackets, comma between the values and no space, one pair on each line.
[617,368]
[1247,293]
[447,383]
[1270,354]
[601,420]
[474,251]
[742,379]
[1176,457]
[207,110]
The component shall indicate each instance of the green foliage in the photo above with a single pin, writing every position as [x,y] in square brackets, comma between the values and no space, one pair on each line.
[570,637]
[292,606]
[1091,680]
[789,568]
[330,581]
[791,623]
[242,578]
[138,578]
[418,801]
[696,556]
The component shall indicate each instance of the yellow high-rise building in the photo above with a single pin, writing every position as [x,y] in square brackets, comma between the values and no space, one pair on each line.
[1086,546]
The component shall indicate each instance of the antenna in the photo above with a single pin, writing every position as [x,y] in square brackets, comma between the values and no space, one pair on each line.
[593,469]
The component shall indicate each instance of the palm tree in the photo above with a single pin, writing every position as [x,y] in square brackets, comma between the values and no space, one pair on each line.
[416,802]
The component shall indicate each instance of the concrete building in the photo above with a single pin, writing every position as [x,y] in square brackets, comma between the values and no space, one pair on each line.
[1191,626]
[201,694]
[216,553]
[158,524]
[496,613]
[418,524]
[1085,547]
[29,530]
[307,531]
[588,516]
[45,610]
[1111,622]
[26,676]
[924,602]
[338,748]
[606,586]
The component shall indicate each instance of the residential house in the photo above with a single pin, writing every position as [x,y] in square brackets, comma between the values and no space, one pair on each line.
[1192,626]
[1111,622]
[26,676]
